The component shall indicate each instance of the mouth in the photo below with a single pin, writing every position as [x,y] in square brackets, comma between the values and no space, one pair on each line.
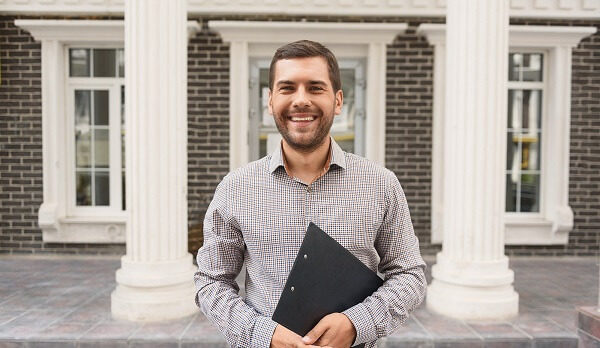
[302,117]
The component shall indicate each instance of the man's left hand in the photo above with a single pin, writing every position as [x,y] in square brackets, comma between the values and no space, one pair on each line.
[334,330]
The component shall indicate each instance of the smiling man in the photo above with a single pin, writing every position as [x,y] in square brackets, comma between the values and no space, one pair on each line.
[260,212]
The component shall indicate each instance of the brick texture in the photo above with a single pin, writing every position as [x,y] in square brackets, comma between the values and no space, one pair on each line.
[408,133]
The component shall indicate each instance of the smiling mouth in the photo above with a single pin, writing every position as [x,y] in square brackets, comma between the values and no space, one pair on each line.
[301,119]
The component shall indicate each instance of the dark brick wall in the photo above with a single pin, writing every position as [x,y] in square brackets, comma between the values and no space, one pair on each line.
[21,148]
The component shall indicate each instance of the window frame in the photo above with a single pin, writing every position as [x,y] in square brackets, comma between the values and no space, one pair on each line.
[543,87]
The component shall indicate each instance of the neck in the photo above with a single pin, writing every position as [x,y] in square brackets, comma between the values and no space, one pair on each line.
[306,165]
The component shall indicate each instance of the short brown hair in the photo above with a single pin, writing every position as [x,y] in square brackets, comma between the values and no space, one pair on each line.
[307,49]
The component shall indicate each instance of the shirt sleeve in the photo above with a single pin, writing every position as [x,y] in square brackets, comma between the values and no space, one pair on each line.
[220,260]
[403,269]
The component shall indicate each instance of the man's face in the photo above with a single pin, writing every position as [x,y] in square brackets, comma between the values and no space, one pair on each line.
[303,102]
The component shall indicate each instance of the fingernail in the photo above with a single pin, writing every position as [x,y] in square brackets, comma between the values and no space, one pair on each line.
[306,339]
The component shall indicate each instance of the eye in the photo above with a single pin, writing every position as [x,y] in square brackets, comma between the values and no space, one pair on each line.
[286,88]
[316,88]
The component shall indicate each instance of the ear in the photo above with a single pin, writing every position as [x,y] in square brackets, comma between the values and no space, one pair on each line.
[270,104]
[339,101]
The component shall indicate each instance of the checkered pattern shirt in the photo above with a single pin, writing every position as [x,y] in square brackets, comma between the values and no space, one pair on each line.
[259,215]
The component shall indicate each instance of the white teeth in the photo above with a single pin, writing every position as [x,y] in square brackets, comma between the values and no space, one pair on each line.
[302,118]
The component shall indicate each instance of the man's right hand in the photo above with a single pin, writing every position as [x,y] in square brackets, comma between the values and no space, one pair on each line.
[284,338]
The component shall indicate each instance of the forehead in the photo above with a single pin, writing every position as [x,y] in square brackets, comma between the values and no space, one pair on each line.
[299,69]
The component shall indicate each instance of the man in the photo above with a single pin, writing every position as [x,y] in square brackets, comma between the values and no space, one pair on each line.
[260,212]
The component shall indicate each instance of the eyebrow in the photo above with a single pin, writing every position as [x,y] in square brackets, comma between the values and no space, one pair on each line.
[311,82]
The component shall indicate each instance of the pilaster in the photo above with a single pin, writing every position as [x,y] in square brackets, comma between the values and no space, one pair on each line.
[471,279]
[155,281]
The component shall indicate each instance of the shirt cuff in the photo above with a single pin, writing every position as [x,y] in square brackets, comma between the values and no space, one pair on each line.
[264,327]
[363,323]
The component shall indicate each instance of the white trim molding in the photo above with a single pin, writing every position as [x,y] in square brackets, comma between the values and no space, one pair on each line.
[57,225]
[555,221]
[560,9]
[352,40]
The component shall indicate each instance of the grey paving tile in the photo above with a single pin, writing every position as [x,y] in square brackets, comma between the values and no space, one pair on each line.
[508,344]
[556,343]
[52,344]
[498,330]
[202,330]
[111,329]
[28,324]
[12,344]
[537,326]
[411,330]
[64,330]
[404,344]
[104,344]
[441,327]
[172,329]
[458,344]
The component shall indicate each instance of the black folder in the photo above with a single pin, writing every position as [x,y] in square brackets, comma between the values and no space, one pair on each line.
[325,278]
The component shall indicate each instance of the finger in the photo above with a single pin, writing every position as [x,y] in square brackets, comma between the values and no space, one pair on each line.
[313,335]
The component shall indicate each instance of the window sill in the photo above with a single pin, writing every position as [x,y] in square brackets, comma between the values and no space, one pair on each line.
[525,230]
[92,229]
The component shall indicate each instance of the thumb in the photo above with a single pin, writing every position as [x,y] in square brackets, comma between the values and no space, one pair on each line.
[315,333]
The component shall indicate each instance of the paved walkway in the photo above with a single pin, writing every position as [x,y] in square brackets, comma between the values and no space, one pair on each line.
[65,302]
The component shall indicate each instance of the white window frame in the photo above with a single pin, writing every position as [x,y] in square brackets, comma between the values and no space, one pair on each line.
[250,40]
[113,85]
[58,222]
[555,220]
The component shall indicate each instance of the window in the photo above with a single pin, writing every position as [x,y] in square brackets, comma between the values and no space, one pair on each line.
[348,126]
[525,106]
[96,103]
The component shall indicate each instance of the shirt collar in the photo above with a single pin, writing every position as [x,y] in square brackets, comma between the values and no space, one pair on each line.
[338,157]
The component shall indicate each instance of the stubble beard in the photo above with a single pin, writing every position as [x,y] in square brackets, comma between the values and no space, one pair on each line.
[319,137]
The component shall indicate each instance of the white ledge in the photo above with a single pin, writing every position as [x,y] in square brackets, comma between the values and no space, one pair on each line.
[531,36]
[284,32]
[87,31]
[564,9]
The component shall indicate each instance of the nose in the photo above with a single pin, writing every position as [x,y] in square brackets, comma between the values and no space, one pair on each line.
[301,98]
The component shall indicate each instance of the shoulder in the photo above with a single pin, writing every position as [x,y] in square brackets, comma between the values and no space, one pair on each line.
[357,165]
[251,172]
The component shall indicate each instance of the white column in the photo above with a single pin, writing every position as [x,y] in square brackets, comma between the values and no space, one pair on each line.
[471,279]
[155,281]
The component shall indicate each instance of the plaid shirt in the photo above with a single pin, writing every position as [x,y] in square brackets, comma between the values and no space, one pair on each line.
[259,215]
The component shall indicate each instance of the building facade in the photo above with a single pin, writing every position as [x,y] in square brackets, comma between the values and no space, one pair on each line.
[96,120]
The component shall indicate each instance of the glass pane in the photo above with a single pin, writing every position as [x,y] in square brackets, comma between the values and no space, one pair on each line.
[532,67]
[123,189]
[84,192]
[82,108]
[79,62]
[530,192]
[121,62]
[530,151]
[515,60]
[511,193]
[104,63]
[344,122]
[524,109]
[101,108]
[512,151]
[102,189]
[101,154]
[122,126]
[532,109]
[83,152]
[525,67]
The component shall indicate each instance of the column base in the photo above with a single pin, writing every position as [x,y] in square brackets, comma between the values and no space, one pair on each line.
[473,290]
[154,291]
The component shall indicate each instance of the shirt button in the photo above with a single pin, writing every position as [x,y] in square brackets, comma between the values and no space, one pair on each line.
[292,288]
